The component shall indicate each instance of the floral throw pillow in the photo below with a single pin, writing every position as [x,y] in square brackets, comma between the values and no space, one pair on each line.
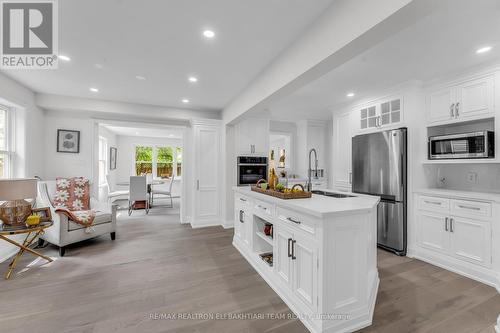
[72,194]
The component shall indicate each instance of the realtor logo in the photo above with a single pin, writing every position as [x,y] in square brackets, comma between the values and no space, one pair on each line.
[29,34]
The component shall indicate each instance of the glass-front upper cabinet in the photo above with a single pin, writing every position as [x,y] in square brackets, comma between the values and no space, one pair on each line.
[381,114]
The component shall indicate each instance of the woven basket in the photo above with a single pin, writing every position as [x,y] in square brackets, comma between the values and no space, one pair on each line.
[285,196]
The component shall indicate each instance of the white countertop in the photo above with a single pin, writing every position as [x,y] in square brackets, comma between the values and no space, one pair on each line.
[318,205]
[462,194]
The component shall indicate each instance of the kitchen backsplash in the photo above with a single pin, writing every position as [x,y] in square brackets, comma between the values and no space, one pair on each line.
[472,177]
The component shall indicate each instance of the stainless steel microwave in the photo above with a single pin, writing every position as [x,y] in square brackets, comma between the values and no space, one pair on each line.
[251,169]
[464,145]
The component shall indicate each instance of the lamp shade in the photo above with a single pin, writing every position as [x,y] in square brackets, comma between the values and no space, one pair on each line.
[18,189]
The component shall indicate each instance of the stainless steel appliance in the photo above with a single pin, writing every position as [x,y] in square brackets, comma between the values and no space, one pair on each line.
[251,169]
[465,145]
[379,167]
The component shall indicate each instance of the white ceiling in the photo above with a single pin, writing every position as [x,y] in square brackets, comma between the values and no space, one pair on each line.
[162,41]
[441,43]
[166,132]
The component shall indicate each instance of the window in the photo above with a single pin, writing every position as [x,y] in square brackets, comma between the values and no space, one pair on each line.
[179,161]
[5,144]
[164,162]
[161,161]
[143,160]
[103,160]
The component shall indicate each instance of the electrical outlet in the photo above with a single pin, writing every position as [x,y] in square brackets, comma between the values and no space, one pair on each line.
[472,177]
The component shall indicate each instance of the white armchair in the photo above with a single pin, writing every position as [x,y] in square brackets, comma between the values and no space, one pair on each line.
[65,231]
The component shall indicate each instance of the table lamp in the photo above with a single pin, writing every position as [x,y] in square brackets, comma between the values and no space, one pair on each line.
[15,209]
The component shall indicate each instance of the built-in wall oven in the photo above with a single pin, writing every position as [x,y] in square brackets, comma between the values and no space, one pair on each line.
[464,145]
[251,169]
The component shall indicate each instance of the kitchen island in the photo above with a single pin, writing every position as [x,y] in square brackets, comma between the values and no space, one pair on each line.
[318,254]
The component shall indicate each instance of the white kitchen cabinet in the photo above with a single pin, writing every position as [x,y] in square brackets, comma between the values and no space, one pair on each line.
[471,99]
[470,240]
[342,164]
[433,233]
[312,134]
[282,252]
[252,137]
[305,269]
[457,233]
[242,223]
[440,105]
[296,263]
[207,164]
[381,114]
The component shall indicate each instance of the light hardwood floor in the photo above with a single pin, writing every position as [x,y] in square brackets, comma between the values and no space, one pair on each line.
[157,266]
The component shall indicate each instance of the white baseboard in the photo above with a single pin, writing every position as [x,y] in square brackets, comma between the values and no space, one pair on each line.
[497,328]
[205,224]
[228,224]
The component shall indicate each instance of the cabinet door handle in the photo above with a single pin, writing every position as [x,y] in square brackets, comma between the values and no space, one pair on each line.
[289,253]
[198,185]
[241,216]
[446,224]
[469,207]
[293,249]
[451,225]
[452,112]
[292,220]
[350,177]
[457,107]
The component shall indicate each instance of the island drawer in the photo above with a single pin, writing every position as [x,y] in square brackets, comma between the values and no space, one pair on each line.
[263,209]
[474,209]
[435,204]
[298,220]
[240,199]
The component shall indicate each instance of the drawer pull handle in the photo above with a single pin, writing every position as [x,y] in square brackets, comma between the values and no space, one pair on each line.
[433,202]
[292,220]
[261,207]
[469,207]
[244,200]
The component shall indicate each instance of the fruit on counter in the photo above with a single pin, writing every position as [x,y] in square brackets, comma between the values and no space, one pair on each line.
[279,187]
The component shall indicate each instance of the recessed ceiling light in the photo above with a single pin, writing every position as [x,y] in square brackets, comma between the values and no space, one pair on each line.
[484,49]
[99,66]
[209,34]
[351,94]
[185,101]
[193,79]
[64,57]
[170,135]
[139,77]
[136,133]
[94,90]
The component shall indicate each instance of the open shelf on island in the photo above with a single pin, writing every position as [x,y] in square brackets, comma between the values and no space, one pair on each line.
[265,237]
[263,240]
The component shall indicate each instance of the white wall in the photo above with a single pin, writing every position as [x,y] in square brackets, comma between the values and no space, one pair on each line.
[69,164]
[28,160]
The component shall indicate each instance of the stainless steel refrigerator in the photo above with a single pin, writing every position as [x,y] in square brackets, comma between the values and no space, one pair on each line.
[379,167]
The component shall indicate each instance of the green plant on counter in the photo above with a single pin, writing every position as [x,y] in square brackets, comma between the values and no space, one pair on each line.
[280,187]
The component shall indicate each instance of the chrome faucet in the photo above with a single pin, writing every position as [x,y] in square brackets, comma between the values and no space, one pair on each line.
[309,183]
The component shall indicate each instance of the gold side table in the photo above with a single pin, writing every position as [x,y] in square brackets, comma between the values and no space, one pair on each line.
[32,233]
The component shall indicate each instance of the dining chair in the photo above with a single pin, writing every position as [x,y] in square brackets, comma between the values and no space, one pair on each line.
[113,194]
[138,192]
[164,192]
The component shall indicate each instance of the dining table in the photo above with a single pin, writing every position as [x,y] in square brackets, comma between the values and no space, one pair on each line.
[150,189]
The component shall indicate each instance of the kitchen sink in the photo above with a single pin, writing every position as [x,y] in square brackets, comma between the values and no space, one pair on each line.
[331,194]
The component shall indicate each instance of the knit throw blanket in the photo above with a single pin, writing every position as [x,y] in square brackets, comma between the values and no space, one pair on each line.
[72,198]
